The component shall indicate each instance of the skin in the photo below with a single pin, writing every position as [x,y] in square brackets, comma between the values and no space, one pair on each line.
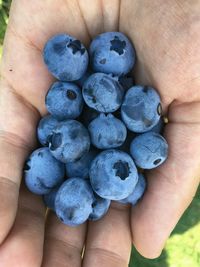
[166,35]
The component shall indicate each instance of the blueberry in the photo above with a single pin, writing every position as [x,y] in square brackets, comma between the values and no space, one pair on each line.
[49,199]
[100,207]
[73,203]
[106,131]
[112,52]
[69,141]
[141,109]
[66,57]
[43,172]
[103,93]
[137,192]
[45,128]
[80,168]
[113,174]
[64,100]
[149,150]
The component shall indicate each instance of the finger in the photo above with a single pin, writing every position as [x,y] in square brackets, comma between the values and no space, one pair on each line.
[13,152]
[24,244]
[111,12]
[101,16]
[92,16]
[170,190]
[109,239]
[63,244]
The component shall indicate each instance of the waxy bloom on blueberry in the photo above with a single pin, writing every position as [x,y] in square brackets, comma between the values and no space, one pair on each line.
[43,172]
[103,92]
[149,150]
[112,52]
[66,57]
[113,174]
[106,131]
[73,202]
[64,100]
[69,141]
[45,128]
[141,108]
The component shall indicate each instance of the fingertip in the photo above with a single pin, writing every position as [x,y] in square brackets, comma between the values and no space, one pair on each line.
[149,233]
[148,252]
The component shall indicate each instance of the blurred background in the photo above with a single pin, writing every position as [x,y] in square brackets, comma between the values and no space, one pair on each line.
[183,247]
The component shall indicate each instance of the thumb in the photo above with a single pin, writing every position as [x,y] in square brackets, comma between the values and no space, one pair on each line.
[172,186]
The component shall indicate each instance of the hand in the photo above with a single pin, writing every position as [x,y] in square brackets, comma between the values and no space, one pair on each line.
[167,40]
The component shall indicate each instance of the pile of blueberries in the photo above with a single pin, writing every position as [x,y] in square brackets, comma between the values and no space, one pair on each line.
[101,131]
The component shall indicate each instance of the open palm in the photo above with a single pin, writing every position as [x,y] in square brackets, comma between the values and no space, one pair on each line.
[166,36]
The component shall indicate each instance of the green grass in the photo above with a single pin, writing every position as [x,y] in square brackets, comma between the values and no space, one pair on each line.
[4,12]
[184,244]
[0,51]
[183,247]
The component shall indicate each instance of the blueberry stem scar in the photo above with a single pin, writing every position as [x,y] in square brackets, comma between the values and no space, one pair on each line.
[56,141]
[26,167]
[117,45]
[157,161]
[76,47]
[71,94]
[122,169]
[159,109]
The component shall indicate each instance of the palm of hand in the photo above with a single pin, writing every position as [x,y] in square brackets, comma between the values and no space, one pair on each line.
[168,59]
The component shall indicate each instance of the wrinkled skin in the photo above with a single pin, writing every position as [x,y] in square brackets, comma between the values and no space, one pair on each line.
[166,35]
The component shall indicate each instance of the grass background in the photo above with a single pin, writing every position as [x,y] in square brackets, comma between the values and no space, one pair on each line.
[183,247]
[4,11]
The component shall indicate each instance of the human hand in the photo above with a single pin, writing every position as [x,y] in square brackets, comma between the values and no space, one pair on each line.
[167,59]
